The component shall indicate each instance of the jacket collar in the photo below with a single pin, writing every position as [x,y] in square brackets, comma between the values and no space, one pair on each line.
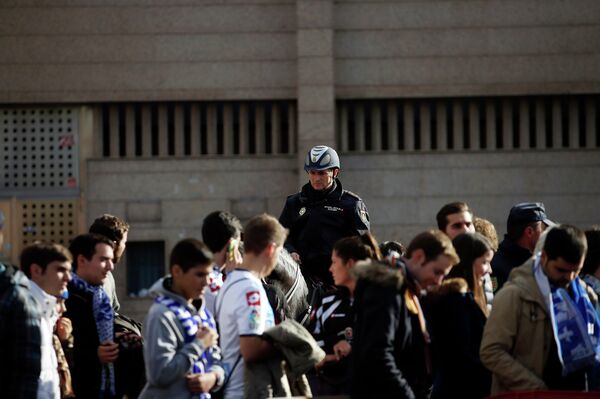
[308,195]
[46,301]
[523,278]
[379,274]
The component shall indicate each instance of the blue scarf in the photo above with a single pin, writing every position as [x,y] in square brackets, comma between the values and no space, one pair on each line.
[574,322]
[104,317]
[191,324]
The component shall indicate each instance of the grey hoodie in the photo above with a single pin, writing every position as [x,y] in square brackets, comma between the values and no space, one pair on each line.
[168,358]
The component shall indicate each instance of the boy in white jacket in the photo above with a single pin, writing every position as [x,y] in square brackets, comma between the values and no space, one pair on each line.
[48,267]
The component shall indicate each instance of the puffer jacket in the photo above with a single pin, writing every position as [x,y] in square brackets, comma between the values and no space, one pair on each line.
[518,336]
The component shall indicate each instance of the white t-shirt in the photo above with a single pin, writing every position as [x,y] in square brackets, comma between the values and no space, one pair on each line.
[243,309]
[215,282]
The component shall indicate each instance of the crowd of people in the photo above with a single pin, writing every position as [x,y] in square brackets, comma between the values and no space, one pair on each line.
[450,313]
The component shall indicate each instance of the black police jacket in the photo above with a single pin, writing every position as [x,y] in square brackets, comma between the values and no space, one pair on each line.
[316,220]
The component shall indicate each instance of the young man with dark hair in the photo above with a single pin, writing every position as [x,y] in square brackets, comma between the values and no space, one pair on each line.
[221,232]
[455,218]
[526,222]
[116,230]
[243,310]
[129,368]
[92,317]
[48,267]
[543,330]
[181,353]
[20,334]
[390,343]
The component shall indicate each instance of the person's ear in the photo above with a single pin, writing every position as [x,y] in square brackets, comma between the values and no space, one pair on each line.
[335,173]
[35,270]
[418,256]
[350,264]
[270,250]
[529,231]
[543,257]
[81,260]
[176,271]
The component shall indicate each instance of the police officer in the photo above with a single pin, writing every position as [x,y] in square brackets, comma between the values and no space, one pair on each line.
[320,214]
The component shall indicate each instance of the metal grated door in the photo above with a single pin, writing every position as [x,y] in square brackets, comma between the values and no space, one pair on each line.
[39,151]
[49,220]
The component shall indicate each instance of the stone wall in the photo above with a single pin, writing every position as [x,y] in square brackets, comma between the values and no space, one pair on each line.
[167,200]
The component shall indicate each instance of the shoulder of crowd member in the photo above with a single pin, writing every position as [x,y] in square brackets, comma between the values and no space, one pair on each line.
[379,274]
[591,293]
[448,287]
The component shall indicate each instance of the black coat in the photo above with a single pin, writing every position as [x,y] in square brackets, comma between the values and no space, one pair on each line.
[317,220]
[389,356]
[87,369]
[456,324]
[509,256]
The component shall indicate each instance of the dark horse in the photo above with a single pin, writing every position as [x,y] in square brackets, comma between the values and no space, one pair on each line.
[286,285]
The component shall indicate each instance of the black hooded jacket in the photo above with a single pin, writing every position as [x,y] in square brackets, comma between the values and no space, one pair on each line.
[316,220]
[388,350]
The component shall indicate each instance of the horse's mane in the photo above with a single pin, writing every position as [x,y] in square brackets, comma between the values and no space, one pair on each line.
[285,275]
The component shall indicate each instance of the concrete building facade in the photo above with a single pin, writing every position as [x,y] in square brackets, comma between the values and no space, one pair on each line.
[160,111]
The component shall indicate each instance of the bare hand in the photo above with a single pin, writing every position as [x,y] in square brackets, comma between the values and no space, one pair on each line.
[207,336]
[64,328]
[342,349]
[326,359]
[108,352]
[233,257]
[201,382]
[295,256]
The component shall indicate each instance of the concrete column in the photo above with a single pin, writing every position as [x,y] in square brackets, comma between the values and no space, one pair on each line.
[316,94]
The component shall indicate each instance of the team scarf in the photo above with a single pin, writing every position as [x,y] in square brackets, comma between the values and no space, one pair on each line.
[104,318]
[574,322]
[191,323]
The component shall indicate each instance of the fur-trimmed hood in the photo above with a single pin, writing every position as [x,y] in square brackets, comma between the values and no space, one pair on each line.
[380,273]
[450,286]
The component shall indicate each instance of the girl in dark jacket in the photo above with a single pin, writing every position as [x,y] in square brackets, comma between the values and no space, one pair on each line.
[457,314]
[331,323]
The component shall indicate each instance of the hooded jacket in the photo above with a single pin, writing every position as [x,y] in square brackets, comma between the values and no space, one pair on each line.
[518,336]
[167,356]
[388,350]
[317,220]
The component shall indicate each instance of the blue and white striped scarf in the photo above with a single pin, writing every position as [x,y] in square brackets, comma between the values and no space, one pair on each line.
[191,324]
[574,322]
[104,317]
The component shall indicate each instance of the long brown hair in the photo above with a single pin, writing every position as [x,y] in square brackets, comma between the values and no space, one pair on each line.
[469,247]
